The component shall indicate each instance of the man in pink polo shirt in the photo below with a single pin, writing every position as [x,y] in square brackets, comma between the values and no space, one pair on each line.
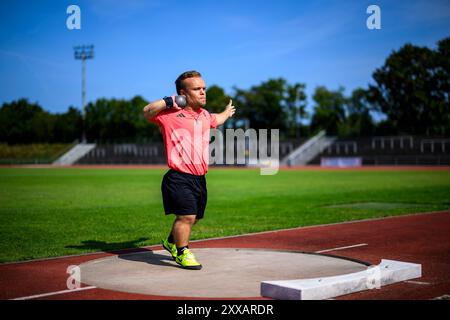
[185,132]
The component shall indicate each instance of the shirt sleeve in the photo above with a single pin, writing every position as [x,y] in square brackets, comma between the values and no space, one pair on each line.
[154,119]
[158,118]
[212,121]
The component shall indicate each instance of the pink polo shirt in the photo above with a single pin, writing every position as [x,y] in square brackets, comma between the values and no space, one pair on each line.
[186,138]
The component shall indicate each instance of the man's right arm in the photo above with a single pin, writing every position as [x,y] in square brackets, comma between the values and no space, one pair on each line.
[153,108]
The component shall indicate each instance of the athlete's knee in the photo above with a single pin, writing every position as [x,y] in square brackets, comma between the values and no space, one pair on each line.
[188,219]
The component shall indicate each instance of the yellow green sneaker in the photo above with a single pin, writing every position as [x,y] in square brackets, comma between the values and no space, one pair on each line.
[171,247]
[187,260]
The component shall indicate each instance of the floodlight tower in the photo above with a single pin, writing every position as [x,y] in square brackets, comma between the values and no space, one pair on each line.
[83,53]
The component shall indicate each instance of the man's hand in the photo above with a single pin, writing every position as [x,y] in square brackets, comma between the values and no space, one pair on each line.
[175,102]
[227,113]
[230,109]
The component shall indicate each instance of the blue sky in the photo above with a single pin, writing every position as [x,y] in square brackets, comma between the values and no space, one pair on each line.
[142,46]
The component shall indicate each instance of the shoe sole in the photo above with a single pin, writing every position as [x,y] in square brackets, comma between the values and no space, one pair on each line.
[189,267]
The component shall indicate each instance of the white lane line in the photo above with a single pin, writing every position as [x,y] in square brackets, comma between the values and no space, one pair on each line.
[342,248]
[54,293]
[417,282]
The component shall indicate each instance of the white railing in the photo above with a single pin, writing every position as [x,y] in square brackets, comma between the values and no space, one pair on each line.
[74,154]
[346,145]
[432,143]
[390,140]
[309,150]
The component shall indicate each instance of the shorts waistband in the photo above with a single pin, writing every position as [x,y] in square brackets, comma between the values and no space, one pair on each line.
[187,174]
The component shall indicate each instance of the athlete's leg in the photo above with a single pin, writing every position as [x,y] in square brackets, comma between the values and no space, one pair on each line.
[181,229]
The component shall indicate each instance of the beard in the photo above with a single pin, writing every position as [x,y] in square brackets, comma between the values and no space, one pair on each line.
[199,103]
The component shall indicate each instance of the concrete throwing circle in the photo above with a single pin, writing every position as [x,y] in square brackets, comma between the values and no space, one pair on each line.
[226,273]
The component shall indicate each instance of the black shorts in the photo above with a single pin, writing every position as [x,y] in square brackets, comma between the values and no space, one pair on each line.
[184,193]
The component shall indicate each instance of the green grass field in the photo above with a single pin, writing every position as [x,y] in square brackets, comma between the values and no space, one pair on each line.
[63,211]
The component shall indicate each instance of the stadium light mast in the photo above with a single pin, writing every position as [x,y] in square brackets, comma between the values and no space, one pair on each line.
[83,53]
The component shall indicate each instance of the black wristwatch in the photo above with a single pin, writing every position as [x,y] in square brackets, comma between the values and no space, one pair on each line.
[168,101]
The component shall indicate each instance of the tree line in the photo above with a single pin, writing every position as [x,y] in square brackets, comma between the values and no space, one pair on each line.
[410,92]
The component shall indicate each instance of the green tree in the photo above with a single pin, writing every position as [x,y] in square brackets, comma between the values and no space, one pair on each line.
[24,122]
[43,124]
[358,121]
[262,105]
[68,126]
[412,89]
[329,110]
[119,120]
[216,99]
[274,104]
[146,132]
[295,102]
[123,119]
[97,119]
[113,120]
[442,124]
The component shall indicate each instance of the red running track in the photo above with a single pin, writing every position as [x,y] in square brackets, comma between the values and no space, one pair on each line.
[420,238]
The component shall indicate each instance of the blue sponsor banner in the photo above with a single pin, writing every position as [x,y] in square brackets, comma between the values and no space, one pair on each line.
[342,162]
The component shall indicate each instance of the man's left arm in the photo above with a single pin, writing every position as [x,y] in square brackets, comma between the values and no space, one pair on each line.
[227,113]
